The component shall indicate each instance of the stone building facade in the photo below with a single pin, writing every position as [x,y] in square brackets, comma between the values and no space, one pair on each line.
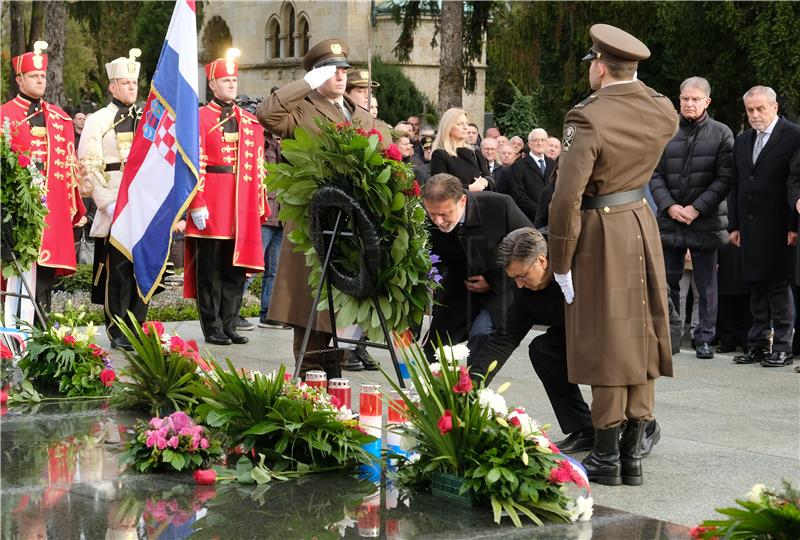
[274,35]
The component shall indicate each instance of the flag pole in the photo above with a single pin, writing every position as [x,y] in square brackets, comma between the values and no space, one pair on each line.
[370,24]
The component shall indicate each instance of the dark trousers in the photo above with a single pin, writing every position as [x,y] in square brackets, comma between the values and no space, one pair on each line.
[114,287]
[704,270]
[772,306]
[549,358]
[45,278]
[219,285]
[733,319]
[454,325]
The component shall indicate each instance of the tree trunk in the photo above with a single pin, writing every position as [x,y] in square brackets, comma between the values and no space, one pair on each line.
[55,35]
[17,16]
[37,24]
[451,73]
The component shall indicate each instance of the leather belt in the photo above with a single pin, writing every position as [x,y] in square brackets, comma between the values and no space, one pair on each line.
[110,167]
[219,169]
[612,199]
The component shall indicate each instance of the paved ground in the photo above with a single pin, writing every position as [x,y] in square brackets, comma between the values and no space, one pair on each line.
[725,427]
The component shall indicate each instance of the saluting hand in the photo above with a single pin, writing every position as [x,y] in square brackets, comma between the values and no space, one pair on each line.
[317,76]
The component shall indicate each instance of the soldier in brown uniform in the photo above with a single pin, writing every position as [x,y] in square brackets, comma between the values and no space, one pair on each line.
[319,94]
[604,236]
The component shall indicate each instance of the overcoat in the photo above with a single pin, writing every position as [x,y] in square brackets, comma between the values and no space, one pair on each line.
[618,324]
[297,105]
[527,182]
[759,205]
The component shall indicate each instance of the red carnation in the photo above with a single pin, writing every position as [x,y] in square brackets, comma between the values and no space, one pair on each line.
[562,473]
[361,132]
[69,339]
[5,352]
[151,326]
[96,351]
[393,152]
[699,531]
[342,125]
[414,190]
[374,131]
[23,160]
[464,385]
[176,344]
[108,376]
[445,422]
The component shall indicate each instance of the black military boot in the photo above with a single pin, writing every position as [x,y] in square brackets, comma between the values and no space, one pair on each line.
[602,464]
[630,449]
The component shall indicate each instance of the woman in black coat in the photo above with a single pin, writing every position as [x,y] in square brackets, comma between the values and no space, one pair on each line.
[452,155]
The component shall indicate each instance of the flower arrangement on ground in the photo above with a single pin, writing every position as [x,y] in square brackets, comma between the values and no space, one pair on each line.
[298,429]
[24,204]
[66,357]
[174,442]
[347,157]
[162,370]
[501,456]
[766,513]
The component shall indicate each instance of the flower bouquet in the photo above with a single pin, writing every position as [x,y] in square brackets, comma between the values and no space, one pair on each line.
[162,370]
[500,457]
[298,429]
[65,357]
[766,513]
[23,200]
[346,157]
[173,442]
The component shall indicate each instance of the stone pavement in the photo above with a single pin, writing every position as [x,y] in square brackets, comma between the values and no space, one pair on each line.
[724,427]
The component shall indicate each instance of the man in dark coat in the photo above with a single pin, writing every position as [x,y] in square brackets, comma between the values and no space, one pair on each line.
[465,231]
[689,185]
[530,174]
[763,224]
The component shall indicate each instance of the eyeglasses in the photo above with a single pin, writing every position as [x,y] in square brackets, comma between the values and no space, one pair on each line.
[695,100]
[524,275]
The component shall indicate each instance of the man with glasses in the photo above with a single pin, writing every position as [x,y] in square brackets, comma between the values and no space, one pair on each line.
[530,174]
[465,230]
[689,185]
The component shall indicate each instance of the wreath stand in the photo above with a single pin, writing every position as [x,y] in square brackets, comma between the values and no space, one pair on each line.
[364,235]
[9,251]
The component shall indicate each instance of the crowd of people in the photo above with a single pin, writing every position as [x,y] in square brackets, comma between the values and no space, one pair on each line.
[600,236]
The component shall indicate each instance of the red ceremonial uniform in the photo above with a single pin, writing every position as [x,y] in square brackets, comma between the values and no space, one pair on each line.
[231,188]
[53,145]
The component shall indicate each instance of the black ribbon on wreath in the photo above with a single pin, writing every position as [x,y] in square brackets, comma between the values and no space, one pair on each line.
[352,271]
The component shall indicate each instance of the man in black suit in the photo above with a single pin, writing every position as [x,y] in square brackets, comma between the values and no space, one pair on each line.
[538,300]
[530,174]
[763,224]
[466,228]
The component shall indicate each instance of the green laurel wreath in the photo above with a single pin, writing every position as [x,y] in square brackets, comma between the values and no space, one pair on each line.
[347,157]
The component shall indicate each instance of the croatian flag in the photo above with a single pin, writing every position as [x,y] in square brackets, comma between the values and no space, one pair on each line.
[161,174]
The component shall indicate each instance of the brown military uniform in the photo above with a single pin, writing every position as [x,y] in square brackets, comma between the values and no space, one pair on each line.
[292,106]
[618,325]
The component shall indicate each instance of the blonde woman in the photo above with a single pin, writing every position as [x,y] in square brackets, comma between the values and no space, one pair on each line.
[452,154]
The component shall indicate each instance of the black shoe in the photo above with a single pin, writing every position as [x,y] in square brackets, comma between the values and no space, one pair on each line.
[630,452]
[694,344]
[217,337]
[753,356]
[121,343]
[577,441]
[269,323]
[652,434]
[243,324]
[602,464]
[704,351]
[366,360]
[351,362]
[236,338]
[726,347]
[778,359]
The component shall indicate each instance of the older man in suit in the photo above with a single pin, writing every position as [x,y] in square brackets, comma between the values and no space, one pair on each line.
[529,174]
[319,94]
[762,223]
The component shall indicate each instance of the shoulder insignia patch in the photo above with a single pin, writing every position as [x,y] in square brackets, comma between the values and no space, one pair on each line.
[585,102]
[569,137]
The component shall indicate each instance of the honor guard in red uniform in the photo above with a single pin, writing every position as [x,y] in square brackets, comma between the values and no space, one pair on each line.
[45,132]
[223,236]
[103,151]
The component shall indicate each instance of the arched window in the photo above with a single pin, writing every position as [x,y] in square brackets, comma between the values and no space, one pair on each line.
[273,38]
[290,35]
[302,36]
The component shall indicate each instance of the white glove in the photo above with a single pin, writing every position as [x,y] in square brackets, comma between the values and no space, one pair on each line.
[109,210]
[317,76]
[200,216]
[565,282]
